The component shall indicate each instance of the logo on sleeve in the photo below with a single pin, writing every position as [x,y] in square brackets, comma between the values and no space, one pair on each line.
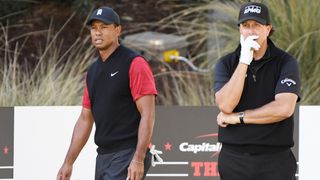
[288,82]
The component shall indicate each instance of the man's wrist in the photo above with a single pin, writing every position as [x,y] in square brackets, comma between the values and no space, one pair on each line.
[241,117]
[245,63]
[138,162]
[139,156]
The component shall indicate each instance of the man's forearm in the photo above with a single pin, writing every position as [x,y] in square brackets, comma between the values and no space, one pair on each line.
[272,112]
[144,138]
[146,107]
[281,108]
[229,95]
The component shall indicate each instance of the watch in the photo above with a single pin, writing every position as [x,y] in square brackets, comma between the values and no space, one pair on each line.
[241,116]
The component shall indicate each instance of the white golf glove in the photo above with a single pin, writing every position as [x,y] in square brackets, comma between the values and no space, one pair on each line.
[247,46]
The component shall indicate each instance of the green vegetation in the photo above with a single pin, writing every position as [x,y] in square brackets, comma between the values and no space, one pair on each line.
[55,80]
[297,31]
[211,29]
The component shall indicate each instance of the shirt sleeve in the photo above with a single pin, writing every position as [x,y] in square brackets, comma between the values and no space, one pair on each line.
[86,103]
[221,76]
[289,80]
[141,79]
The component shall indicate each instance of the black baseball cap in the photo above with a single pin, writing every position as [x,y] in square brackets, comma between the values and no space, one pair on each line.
[106,15]
[254,11]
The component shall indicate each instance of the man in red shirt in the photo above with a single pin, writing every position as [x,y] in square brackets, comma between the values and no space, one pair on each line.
[119,98]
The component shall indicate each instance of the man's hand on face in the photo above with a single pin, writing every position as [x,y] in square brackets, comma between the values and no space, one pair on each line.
[247,46]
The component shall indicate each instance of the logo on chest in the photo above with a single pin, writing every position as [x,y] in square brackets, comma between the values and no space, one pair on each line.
[114,73]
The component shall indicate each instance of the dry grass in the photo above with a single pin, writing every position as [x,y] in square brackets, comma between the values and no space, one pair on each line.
[297,31]
[211,29]
[57,78]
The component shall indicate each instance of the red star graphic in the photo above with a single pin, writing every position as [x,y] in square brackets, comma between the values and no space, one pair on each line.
[168,146]
[5,150]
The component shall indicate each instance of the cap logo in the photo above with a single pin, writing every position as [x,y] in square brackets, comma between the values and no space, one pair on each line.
[252,9]
[99,12]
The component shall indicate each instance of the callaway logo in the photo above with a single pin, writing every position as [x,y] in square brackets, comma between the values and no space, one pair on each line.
[99,12]
[113,74]
[252,9]
[288,81]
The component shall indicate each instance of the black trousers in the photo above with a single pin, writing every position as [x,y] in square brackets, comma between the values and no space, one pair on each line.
[242,166]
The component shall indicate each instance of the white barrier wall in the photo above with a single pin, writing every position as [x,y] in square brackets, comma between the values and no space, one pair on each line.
[309,143]
[41,139]
[42,136]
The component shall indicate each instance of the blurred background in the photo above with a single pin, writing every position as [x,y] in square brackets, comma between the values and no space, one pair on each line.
[45,46]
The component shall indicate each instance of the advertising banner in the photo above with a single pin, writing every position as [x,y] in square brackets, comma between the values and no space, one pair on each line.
[34,142]
[188,139]
[6,142]
[187,136]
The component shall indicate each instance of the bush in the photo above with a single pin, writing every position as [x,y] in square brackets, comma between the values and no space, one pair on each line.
[297,31]
[211,29]
[57,78]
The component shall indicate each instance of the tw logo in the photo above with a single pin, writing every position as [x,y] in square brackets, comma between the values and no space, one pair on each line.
[99,12]
[252,9]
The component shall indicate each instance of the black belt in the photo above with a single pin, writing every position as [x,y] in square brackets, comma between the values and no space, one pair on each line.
[255,149]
